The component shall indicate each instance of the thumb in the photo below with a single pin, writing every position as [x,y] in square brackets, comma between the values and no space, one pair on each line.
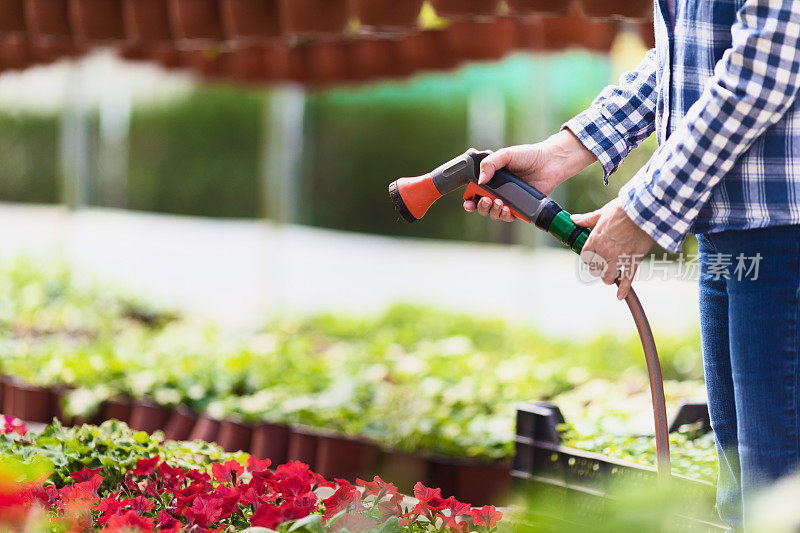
[491,163]
[587,220]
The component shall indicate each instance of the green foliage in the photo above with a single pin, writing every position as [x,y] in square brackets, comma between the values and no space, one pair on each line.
[29,151]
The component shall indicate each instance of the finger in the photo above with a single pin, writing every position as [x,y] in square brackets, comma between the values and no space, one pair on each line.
[492,163]
[587,220]
[483,206]
[624,287]
[611,273]
[506,215]
[497,210]
[470,206]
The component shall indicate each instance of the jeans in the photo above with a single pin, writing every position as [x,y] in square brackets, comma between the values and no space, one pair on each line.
[749,327]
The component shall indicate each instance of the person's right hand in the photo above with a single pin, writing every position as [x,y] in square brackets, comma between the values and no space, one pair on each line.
[544,165]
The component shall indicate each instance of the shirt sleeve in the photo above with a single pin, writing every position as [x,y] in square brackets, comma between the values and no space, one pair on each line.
[621,117]
[755,82]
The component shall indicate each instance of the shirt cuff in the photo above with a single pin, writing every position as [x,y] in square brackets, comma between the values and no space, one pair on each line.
[599,135]
[652,214]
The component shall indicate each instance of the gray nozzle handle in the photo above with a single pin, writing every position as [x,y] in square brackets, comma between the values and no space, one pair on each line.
[457,172]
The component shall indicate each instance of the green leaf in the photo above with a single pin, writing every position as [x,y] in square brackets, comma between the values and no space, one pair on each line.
[311,523]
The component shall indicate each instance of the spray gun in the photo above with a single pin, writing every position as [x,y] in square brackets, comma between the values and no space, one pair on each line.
[414,196]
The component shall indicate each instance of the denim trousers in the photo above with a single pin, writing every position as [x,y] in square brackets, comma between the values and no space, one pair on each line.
[749,313]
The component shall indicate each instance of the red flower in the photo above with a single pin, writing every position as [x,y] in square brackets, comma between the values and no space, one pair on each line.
[455,526]
[129,521]
[145,466]
[14,425]
[168,523]
[391,507]
[204,511]
[254,464]
[229,499]
[85,474]
[345,496]
[264,479]
[228,472]
[435,503]
[140,504]
[271,517]
[306,500]
[487,516]
[293,487]
[421,492]
[110,506]
[456,507]
[377,487]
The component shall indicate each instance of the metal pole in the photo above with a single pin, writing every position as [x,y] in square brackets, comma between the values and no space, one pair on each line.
[75,140]
[115,120]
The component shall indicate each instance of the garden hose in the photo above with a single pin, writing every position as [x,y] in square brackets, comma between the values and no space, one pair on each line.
[413,197]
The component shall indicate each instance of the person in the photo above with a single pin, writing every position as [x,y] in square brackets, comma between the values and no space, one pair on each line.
[720,90]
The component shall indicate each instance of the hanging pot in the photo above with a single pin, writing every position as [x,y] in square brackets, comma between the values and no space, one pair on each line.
[303,446]
[345,457]
[284,63]
[464,8]
[146,21]
[195,19]
[387,14]
[270,441]
[235,435]
[47,18]
[327,63]
[96,20]
[149,416]
[30,402]
[482,483]
[482,40]
[14,54]
[206,429]
[180,424]
[549,7]
[250,19]
[424,51]
[118,408]
[314,18]
[246,64]
[12,18]
[609,9]
[375,58]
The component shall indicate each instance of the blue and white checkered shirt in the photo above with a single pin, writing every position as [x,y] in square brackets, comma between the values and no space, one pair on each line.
[720,89]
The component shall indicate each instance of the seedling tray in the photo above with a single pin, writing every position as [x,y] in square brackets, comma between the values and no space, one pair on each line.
[577,486]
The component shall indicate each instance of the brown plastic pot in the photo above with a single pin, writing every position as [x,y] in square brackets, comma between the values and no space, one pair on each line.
[303,446]
[374,58]
[2,392]
[165,54]
[483,483]
[314,18]
[464,8]
[250,19]
[29,402]
[559,33]
[549,7]
[235,435]
[648,34]
[327,63]
[180,424]
[246,64]
[609,9]
[285,63]
[443,473]
[345,457]
[205,62]
[195,19]
[47,18]
[146,21]
[387,14]
[96,20]
[270,441]
[118,408]
[403,469]
[149,416]
[14,54]
[12,18]
[206,428]
[483,40]
[425,50]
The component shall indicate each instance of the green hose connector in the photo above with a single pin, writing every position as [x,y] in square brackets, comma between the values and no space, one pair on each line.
[565,230]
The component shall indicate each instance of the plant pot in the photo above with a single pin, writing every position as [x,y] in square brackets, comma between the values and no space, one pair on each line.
[205,62]
[285,63]
[327,63]
[14,54]
[29,402]
[149,416]
[165,55]
[314,18]
[375,58]
[464,8]
[235,435]
[425,50]
[270,441]
[12,18]
[403,469]
[387,14]
[484,40]
[118,408]
[345,457]
[609,9]
[250,19]
[206,428]
[303,446]
[44,51]
[96,20]
[47,18]
[559,33]
[443,474]
[246,64]
[195,19]
[648,34]
[180,424]
[549,7]
[483,483]
[146,21]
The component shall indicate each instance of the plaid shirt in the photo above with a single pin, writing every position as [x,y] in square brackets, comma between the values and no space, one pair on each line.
[720,89]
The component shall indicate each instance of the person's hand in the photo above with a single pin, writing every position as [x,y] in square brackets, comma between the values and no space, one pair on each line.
[544,166]
[618,241]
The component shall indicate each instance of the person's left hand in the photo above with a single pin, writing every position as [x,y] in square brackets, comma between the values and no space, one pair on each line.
[618,240]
